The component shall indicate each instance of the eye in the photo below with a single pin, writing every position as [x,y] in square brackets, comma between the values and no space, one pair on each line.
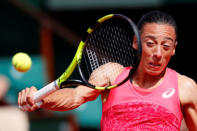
[150,44]
[166,46]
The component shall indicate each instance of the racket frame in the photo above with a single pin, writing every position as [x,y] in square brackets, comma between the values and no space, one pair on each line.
[137,34]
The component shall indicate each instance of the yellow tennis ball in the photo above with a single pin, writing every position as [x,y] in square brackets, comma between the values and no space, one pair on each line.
[21,62]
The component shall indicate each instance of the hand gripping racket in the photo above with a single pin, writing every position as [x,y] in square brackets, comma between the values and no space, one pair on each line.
[110,40]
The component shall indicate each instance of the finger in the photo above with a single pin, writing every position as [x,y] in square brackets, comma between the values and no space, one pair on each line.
[19,101]
[24,96]
[25,107]
[34,107]
[21,108]
[29,108]
[30,95]
[19,98]
[34,88]
[22,101]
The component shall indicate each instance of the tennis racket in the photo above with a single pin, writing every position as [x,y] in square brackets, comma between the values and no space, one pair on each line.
[109,40]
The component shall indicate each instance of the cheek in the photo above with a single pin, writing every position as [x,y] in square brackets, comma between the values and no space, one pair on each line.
[146,52]
[167,59]
[168,55]
[145,59]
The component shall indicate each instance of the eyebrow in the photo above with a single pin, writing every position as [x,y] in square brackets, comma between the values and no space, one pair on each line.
[168,38]
[152,37]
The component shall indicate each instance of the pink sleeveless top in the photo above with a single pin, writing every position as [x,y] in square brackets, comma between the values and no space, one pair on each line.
[131,108]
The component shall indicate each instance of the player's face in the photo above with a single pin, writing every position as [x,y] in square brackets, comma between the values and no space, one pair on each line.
[158,45]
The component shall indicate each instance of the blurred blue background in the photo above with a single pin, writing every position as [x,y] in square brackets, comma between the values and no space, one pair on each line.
[49,31]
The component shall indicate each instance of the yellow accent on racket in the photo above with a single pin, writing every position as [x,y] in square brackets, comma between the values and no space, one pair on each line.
[75,61]
[105,17]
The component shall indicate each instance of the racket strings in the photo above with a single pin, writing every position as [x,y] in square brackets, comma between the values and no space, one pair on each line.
[111,41]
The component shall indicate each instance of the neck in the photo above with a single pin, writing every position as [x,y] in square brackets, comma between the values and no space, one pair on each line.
[147,81]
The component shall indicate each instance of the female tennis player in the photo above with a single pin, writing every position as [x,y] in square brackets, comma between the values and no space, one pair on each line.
[156,97]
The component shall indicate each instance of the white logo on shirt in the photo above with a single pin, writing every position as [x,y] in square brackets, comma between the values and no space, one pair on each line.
[168,93]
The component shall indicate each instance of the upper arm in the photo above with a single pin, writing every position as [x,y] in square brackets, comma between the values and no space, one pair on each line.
[188,98]
[106,74]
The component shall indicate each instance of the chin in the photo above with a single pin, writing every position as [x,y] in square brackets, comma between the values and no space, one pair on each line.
[155,72]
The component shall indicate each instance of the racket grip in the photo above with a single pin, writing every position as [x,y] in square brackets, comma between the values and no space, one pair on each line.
[45,91]
[40,94]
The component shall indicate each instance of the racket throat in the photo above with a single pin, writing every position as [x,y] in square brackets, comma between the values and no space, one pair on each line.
[105,88]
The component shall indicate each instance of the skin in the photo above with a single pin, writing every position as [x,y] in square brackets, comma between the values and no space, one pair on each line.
[158,46]
[70,98]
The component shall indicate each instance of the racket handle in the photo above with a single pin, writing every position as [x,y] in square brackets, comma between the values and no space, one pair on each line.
[40,94]
[45,91]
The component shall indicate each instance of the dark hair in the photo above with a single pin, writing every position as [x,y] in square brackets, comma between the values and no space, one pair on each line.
[157,17]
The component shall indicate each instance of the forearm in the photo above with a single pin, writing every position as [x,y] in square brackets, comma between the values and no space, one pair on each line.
[69,98]
[63,100]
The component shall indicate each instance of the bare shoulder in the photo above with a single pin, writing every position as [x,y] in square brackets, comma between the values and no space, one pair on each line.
[186,82]
[187,90]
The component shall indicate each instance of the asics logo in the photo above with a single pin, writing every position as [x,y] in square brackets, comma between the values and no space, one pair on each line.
[168,93]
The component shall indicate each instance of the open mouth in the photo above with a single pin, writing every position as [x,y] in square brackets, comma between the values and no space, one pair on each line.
[155,65]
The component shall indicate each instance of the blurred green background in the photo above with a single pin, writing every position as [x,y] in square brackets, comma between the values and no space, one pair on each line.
[49,31]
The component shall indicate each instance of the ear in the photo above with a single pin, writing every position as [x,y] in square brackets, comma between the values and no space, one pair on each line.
[173,53]
[135,46]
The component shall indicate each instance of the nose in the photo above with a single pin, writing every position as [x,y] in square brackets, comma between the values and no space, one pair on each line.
[157,54]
